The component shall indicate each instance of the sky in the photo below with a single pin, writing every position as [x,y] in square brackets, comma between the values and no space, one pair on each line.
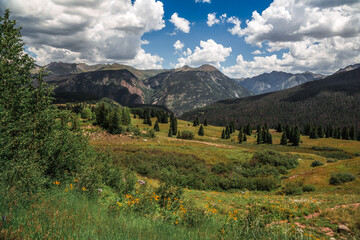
[241,38]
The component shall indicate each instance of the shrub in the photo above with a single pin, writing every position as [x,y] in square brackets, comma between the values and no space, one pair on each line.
[274,158]
[187,135]
[331,160]
[316,163]
[339,178]
[292,189]
[308,188]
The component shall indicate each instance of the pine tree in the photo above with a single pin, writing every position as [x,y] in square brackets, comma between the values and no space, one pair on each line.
[115,122]
[269,138]
[345,133]
[358,136]
[201,130]
[205,123]
[174,126]
[258,129]
[223,134]
[227,132]
[283,140]
[179,135]
[314,133]
[240,136]
[320,132]
[279,128]
[248,129]
[352,133]
[338,135]
[126,117]
[170,132]
[307,130]
[244,138]
[296,138]
[259,137]
[156,126]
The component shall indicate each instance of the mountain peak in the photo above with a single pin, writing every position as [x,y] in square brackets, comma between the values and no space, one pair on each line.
[205,67]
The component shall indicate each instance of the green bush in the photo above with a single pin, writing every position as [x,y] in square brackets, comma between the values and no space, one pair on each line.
[273,158]
[292,188]
[340,178]
[316,163]
[187,135]
[331,160]
[308,188]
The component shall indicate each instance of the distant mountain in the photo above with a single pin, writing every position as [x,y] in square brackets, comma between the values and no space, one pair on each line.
[275,81]
[186,88]
[333,100]
[119,85]
[60,68]
[349,68]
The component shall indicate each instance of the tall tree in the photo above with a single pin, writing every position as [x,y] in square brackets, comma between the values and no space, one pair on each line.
[201,130]
[156,126]
[240,136]
[283,140]
[205,123]
[345,133]
[223,134]
[352,133]
[296,138]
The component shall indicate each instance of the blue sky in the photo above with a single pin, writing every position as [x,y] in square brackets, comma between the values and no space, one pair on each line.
[252,38]
[161,42]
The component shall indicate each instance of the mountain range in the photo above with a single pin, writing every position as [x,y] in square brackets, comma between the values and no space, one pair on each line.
[332,100]
[275,81]
[180,90]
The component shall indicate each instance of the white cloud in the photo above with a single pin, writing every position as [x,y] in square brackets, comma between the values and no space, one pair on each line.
[257,52]
[212,19]
[209,52]
[86,31]
[203,1]
[180,23]
[178,45]
[144,60]
[319,36]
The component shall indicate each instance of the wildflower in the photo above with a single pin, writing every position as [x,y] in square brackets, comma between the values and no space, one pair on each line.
[141,182]
[66,189]
[76,180]
[84,189]
[176,222]
[57,183]
[99,190]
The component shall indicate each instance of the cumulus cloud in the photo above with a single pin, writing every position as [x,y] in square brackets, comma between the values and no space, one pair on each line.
[212,19]
[87,31]
[209,52]
[180,23]
[178,45]
[315,35]
[257,52]
[203,1]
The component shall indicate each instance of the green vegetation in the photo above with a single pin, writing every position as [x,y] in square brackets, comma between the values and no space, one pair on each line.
[90,171]
[340,178]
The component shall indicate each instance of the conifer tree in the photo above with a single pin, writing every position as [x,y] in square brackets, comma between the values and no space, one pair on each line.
[179,135]
[201,130]
[248,129]
[279,128]
[320,132]
[358,136]
[338,134]
[258,129]
[314,133]
[156,126]
[283,140]
[307,130]
[174,126]
[244,137]
[170,132]
[205,123]
[240,136]
[269,138]
[296,138]
[352,133]
[265,134]
[345,133]
[223,134]
[115,122]
[259,137]
[126,117]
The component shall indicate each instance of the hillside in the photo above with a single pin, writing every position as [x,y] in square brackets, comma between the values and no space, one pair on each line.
[60,68]
[275,81]
[333,100]
[119,85]
[188,88]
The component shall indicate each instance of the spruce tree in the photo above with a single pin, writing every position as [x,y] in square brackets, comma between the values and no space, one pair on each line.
[338,135]
[248,129]
[174,126]
[223,134]
[279,128]
[259,137]
[283,140]
[205,123]
[320,132]
[170,132]
[314,133]
[345,133]
[269,138]
[240,136]
[244,137]
[352,133]
[178,135]
[201,130]
[156,126]
[296,138]
[115,122]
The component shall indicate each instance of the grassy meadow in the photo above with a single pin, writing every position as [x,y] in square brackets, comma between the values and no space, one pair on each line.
[154,210]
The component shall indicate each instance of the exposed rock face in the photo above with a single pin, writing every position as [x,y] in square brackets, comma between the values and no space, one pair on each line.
[186,88]
[120,85]
[275,81]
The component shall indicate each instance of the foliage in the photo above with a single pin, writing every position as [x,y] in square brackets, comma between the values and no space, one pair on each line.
[186,135]
[308,188]
[316,163]
[341,177]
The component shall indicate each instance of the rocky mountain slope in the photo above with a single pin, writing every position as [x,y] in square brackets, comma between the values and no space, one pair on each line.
[119,85]
[275,81]
[333,100]
[186,88]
